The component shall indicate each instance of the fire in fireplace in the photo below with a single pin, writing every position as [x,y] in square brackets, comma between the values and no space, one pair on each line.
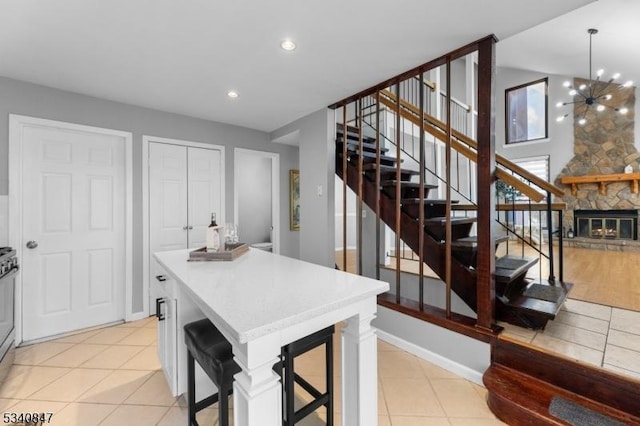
[606,224]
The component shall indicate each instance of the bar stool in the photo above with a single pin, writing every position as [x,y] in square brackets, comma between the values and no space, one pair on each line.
[213,352]
[290,377]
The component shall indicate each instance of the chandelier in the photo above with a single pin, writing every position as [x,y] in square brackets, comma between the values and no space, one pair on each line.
[595,93]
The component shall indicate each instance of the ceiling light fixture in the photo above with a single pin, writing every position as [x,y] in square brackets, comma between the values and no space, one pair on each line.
[288,45]
[595,92]
[232,94]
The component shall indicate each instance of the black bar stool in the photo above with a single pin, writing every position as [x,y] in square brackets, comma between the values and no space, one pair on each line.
[213,352]
[290,377]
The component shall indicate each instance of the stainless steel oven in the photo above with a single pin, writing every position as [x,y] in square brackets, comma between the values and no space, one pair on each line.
[8,271]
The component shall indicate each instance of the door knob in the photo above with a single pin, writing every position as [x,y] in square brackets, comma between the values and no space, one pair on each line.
[32,244]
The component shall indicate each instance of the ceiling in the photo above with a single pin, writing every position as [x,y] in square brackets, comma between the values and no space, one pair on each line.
[561,45]
[184,56]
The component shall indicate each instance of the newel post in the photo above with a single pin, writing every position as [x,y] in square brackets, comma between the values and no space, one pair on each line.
[485,178]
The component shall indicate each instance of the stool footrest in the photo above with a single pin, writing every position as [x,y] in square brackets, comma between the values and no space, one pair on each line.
[307,386]
[311,407]
[201,405]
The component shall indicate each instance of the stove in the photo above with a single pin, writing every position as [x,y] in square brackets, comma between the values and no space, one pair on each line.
[8,271]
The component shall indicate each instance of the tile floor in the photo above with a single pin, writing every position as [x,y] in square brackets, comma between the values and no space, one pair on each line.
[112,376]
[596,334]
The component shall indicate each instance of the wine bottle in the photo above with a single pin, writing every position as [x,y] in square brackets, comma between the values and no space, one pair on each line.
[213,235]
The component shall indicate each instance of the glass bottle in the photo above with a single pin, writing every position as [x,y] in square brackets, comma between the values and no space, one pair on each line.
[213,235]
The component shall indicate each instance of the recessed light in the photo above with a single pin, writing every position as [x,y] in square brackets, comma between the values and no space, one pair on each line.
[288,45]
[232,94]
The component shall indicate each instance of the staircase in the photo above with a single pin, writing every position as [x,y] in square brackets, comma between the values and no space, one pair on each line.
[519,300]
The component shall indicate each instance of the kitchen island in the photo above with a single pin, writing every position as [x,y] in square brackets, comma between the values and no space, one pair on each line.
[263,301]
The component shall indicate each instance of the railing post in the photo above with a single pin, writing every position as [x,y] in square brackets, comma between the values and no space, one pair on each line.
[561,245]
[486,193]
[552,277]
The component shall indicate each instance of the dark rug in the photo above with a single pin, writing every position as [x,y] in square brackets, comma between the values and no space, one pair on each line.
[578,415]
[544,292]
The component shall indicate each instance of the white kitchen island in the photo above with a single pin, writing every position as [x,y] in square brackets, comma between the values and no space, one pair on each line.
[263,301]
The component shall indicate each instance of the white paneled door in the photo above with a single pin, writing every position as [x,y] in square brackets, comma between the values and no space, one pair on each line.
[185,186]
[73,226]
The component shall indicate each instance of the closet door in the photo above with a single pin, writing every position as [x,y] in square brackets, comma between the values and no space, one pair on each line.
[168,224]
[205,192]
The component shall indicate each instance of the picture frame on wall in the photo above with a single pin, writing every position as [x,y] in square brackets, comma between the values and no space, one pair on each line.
[294,200]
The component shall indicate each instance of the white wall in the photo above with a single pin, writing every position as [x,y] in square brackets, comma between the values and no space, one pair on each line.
[17,97]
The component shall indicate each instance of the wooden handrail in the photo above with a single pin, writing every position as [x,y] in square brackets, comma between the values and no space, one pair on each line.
[436,127]
[471,155]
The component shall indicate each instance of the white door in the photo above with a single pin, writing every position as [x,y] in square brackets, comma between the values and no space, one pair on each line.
[74,201]
[185,187]
[205,188]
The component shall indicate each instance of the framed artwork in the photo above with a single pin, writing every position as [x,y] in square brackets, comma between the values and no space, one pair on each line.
[294,200]
[526,112]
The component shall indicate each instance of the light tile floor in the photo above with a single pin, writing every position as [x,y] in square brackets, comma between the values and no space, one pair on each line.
[597,334]
[112,376]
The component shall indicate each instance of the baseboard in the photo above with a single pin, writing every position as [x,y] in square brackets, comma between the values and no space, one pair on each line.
[432,357]
[135,316]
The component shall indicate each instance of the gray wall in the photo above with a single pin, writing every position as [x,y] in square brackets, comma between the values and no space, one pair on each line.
[559,145]
[254,199]
[315,134]
[22,98]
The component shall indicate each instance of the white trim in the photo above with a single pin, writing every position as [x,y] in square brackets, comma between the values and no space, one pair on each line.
[275,190]
[146,140]
[432,357]
[17,123]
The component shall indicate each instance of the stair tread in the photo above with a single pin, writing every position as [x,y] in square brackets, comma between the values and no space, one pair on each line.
[531,304]
[355,145]
[409,184]
[510,267]
[373,155]
[352,133]
[472,241]
[388,169]
[443,220]
[427,201]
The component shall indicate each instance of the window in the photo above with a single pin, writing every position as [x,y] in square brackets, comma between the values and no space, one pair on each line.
[526,112]
[538,166]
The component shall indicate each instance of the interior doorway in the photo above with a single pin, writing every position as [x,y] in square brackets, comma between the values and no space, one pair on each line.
[256,198]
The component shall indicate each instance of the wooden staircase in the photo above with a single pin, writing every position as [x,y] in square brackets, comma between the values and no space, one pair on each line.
[519,300]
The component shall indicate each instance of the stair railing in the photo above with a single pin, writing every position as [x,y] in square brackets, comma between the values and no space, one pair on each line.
[490,167]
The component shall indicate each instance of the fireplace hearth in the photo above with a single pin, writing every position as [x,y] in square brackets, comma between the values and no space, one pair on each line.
[606,224]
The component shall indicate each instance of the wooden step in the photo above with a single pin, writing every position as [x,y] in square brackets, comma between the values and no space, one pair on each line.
[353,134]
[466,249]
[407,189]
[370,157]
[533,304]
[432,208]
[389,172]
[523,382]
[355,147]
[509,268]
[460,227]
[472,242]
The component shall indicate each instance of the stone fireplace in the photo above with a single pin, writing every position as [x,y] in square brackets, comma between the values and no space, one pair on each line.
[605,145]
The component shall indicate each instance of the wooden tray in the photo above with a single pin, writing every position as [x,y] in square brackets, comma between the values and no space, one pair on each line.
[231,252]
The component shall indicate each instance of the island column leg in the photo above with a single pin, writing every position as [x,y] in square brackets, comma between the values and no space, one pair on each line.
[257,391]
[360,369]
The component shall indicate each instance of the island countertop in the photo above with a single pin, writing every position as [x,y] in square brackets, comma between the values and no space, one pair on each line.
[261,293]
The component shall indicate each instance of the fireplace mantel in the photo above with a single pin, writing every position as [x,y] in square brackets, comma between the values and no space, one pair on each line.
[602,180]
